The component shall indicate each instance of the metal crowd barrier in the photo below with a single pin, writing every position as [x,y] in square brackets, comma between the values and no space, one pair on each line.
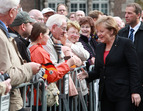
[87,102]
[66,103]
[95,87]
[30,88]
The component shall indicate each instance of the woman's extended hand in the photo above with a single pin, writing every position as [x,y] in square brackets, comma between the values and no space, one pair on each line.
[136,99]
[82,75]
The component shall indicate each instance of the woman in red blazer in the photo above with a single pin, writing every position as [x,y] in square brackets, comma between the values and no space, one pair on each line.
[116,66]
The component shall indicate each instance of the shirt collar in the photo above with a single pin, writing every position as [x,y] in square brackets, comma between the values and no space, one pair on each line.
[136,27]
[3,25]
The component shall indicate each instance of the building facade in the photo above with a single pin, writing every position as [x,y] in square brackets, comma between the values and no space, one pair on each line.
[109,7]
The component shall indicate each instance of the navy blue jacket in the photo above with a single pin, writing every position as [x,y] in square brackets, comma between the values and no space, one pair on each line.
[119,75]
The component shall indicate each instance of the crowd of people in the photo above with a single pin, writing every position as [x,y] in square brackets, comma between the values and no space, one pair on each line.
[59,42]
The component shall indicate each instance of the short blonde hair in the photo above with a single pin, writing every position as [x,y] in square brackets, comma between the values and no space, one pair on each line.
[73,24]
[109,24]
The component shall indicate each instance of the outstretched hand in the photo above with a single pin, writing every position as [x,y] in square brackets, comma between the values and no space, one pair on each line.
[82,75]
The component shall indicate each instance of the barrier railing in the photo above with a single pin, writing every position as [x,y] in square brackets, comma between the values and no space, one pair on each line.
[74,103]
[30,88]
[95,93]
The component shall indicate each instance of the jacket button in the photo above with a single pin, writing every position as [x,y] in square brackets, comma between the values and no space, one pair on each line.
[104,77]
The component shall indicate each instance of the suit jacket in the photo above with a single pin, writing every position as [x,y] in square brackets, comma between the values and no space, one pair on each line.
[84,40]
[119,75]
[12,63]
[138,42]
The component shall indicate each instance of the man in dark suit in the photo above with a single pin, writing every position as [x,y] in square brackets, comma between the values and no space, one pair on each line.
[134,31]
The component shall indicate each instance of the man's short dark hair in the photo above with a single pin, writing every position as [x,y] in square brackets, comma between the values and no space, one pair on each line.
[138,9]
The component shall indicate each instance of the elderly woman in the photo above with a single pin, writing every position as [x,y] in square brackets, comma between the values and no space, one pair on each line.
[116,66]
[89,43]
[72,43]
[74,48]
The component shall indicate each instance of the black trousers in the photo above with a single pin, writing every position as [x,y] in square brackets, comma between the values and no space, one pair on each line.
[140,108]
[123,105]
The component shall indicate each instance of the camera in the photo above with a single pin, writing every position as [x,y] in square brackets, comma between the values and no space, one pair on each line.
[4,76]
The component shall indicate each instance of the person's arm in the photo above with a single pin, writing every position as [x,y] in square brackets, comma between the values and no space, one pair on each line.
[131,57]
[92,75]
[79,50]
[52,73]
[12,64]
[89,76]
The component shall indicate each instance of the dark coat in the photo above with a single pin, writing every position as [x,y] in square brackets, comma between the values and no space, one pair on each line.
[90,46]
[22,45]
[138,42]
[119,75]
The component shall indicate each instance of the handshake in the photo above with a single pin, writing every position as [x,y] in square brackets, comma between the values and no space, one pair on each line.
[74,60]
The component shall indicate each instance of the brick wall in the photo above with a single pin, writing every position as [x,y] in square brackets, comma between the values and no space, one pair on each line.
[118,8]
[27,5]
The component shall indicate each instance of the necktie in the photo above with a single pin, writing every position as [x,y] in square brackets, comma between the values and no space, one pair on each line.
[131,34]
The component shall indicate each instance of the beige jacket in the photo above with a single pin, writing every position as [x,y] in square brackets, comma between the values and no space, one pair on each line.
[2,88]
[12,63]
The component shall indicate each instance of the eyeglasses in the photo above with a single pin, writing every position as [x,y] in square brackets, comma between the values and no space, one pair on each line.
[64,28]
[46,15]
[61,10]
[40,19]
[19,9]
[74,33]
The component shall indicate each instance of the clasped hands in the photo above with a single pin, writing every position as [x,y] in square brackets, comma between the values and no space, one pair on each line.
[82,75]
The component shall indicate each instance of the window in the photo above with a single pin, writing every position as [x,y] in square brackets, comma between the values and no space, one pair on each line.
[73,7]
[78,5]
[101,5]
[82,6]
[95,6]
[54,3]
[104,8]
